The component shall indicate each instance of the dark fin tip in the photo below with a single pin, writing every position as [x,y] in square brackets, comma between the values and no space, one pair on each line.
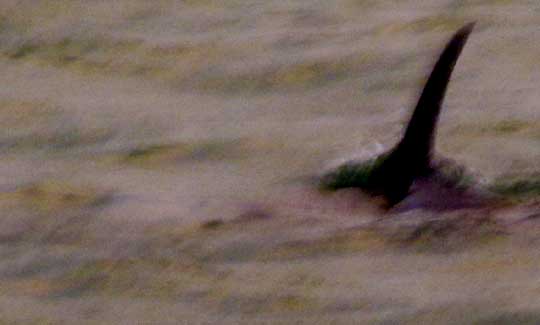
[467,29]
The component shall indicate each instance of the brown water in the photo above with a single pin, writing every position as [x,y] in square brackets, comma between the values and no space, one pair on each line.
[156,160]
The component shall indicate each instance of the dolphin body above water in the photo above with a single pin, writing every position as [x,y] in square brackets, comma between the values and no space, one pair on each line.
[410,162]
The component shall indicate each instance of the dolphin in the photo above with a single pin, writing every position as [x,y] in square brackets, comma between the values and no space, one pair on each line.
[392,174]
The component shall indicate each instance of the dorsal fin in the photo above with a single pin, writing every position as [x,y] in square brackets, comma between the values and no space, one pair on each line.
[418,139]
[411,157]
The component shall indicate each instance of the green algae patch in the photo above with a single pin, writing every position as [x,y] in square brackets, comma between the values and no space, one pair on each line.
[263,304]
[309,74]
[180,64]
[38,287]
[509,126]
[52,212]
[517,188]
[151,277]
[502,318]
[212,224]
[351,174]
[499,128]
[53,195]
[288,77]
[349,242]
[31,125]
[69,50]
[293,303]
[167,154]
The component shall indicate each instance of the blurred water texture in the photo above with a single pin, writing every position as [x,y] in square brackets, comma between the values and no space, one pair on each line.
[154,157]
